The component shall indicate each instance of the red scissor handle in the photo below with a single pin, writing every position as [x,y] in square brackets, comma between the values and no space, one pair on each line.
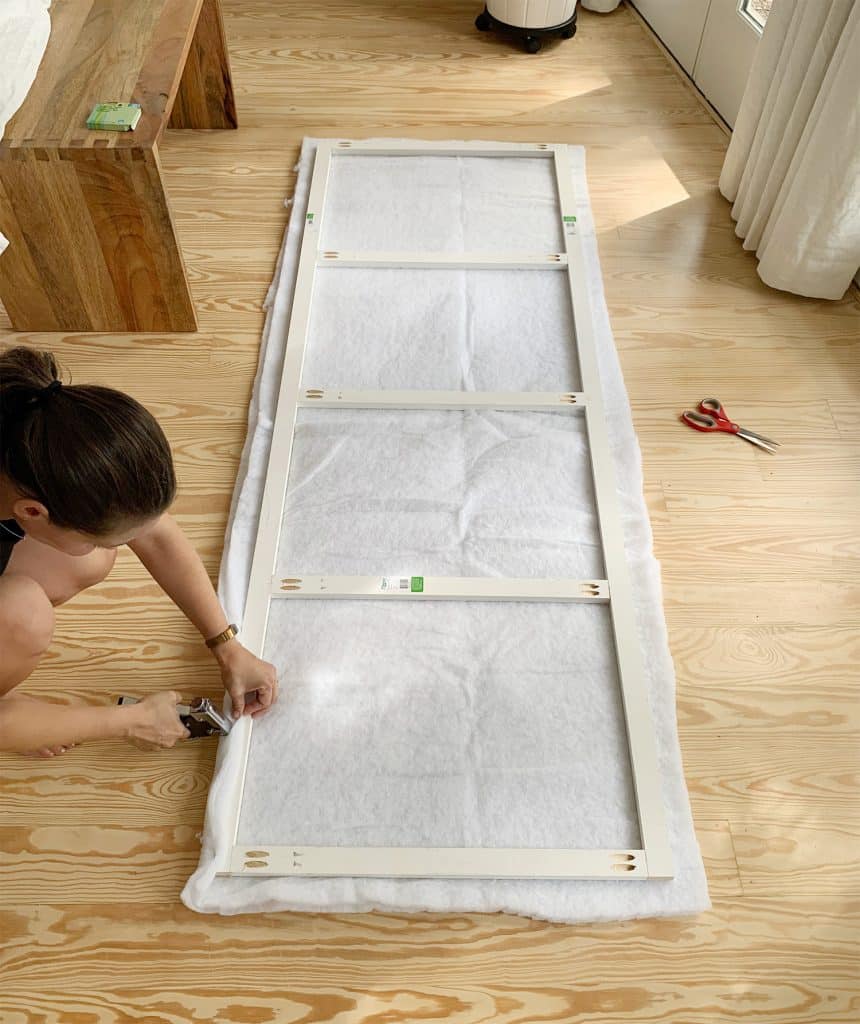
[707,422]
[714,407]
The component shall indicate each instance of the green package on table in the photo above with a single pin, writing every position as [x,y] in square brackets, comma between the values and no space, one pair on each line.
[114,117]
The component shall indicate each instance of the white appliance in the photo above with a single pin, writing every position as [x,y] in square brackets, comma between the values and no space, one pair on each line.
[530,19]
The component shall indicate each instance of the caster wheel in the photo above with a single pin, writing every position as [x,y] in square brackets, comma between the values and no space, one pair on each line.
[482,22]
[532,44]
[569,33]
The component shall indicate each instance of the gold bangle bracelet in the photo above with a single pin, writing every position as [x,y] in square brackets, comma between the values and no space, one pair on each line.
[222,638]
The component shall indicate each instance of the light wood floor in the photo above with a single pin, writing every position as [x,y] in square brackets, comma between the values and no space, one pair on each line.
[761,563]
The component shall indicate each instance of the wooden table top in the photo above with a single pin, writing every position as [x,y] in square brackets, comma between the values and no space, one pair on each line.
[104,51]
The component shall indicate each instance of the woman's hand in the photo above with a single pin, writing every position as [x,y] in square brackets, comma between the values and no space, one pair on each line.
[154,722]
[251,683]
[176,567]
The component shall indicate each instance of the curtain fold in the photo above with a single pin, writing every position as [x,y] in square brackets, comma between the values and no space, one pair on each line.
[792,170]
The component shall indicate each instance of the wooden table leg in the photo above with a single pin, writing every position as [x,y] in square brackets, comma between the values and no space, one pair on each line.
[92,243]
[205,96]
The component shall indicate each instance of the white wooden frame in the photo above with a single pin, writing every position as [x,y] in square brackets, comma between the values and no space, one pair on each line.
[654,859]
[442,588]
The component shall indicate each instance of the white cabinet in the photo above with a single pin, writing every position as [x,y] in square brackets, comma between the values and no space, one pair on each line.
[726,53]
[679,24]
[713,40]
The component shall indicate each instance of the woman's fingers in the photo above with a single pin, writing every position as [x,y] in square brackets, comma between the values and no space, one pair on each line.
[258,702]
[48,751]
[263,698]
[251,683]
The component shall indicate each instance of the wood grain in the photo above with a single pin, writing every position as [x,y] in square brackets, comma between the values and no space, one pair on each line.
[125,864]
[817,855]
[759,560]
[93,241]
[438,967]
[205,95]
[118,786]
[54,272]
[777,678]
[122,51]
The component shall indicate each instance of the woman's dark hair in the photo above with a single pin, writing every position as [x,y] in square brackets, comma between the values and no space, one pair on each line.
[93,456]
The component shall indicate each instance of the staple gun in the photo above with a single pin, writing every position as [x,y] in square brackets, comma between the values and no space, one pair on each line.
[200,717]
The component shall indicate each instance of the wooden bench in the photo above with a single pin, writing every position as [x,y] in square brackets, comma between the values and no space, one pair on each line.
[92,241]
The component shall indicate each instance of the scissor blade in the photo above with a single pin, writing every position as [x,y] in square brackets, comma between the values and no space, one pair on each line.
[761,437]
[759,442]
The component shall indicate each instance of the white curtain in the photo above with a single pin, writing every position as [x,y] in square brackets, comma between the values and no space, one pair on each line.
[793,165]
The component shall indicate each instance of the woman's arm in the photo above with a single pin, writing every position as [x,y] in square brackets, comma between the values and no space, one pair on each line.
[176,567]
[30,724]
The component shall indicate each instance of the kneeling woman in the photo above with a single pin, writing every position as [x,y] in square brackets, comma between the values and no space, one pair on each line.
[83,470]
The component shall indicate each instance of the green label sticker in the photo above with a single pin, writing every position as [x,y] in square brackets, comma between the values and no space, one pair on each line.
[569,220]
[417,585]
[310,217]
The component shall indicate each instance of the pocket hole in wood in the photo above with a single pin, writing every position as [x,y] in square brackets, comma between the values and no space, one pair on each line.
[256,854]
[621,868]
[256,863]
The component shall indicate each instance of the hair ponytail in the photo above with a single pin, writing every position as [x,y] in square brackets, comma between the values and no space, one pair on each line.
[93,456]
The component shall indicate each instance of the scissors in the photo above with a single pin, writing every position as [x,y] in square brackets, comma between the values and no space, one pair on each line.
[712,416]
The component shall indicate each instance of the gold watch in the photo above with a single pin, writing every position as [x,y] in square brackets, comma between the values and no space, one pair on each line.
[222,638]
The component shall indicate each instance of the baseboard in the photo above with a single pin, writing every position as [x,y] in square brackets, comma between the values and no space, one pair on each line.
[682,74]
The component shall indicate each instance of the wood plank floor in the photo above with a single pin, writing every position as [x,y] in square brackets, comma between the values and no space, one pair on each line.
[760,555]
